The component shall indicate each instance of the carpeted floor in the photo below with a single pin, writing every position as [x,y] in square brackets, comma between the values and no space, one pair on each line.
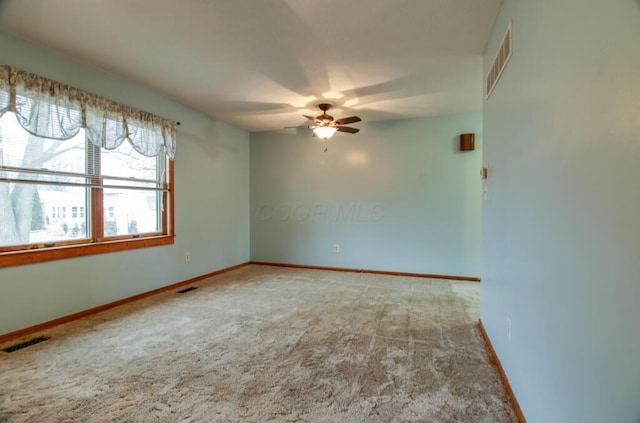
[267,344]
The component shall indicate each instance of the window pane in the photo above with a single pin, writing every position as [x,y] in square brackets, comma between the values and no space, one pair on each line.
[39,213]
[18,148]
[130,212]
[125,162]
[34,217]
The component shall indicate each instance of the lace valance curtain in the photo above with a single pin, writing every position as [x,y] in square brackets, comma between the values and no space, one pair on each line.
[50,109]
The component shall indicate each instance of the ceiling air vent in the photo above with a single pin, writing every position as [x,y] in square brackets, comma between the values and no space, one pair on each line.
[500,61]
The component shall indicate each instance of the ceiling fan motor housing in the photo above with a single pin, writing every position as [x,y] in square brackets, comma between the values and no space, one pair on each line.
[324,117]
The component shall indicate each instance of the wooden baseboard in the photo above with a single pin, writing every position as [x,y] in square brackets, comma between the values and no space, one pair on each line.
[75,316]
[376,272]
[495,360]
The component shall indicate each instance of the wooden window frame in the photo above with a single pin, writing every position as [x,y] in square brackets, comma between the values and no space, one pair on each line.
[38,253]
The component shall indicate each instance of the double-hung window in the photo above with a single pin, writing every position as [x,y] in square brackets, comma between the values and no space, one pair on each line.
[79,174]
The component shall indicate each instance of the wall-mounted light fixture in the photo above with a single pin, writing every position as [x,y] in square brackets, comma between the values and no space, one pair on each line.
[467,142]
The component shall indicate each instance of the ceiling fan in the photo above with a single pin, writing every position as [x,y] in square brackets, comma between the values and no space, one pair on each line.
[325,127]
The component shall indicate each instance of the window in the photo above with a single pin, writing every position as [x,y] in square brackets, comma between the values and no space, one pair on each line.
[117,197]
[58,176]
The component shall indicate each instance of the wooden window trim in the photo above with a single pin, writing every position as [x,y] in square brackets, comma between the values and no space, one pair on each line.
[17,258]
[38,255]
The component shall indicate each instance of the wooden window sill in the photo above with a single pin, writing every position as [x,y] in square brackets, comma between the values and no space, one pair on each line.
[18,258]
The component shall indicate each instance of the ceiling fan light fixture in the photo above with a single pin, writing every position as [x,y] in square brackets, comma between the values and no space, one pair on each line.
[325,132]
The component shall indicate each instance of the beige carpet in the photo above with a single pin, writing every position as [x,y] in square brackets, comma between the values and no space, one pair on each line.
[267,344]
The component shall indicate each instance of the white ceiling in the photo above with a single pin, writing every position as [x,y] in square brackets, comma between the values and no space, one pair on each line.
[261,64]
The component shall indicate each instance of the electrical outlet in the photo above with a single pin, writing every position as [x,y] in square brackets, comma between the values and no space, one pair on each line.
[509,328]
[187,256]
[336,248]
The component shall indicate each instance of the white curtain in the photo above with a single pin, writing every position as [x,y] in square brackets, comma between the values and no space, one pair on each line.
[50,109]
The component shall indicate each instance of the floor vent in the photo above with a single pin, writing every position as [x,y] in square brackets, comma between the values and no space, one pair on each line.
[25,344]
[184,291]
[500,61]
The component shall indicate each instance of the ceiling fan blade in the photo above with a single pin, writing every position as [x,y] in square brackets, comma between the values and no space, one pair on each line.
[348,120]
[348,129]
[309,117]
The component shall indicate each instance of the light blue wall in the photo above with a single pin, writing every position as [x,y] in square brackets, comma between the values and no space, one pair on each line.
[398,196]
[212,207]
[560,232]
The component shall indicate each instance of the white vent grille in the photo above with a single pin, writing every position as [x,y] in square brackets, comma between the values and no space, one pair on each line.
[500,61]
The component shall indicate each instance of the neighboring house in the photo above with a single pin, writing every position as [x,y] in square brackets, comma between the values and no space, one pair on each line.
[63,207]
[64,213]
